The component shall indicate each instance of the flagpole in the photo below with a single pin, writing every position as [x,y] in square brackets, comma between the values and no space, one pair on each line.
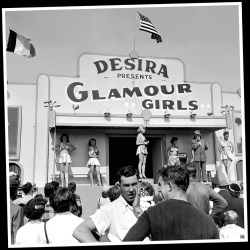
[135,28]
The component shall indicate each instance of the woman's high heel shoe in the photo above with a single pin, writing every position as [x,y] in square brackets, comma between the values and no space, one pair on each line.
[140,176]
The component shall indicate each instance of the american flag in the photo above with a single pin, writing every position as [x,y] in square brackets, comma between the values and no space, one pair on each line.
[146,25]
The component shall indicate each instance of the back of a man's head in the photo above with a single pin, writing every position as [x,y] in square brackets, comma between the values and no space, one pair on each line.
[231,217]
[126,171]
[177,175]
[72,187]
[50,188]
[61,200]
[191,168]
[27,187]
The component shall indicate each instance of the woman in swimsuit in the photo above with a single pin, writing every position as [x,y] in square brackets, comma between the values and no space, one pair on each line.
[226,149]
[93,162]
[142,152]
[64,147]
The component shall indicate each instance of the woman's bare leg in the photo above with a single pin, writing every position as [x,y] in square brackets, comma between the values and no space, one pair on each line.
[62,174]
[144,165]
[228,169]
[225,164]
[66,174]
[97,168]
[141,156]
[91,174]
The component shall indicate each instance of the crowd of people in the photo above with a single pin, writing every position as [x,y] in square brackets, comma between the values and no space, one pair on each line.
[180,208]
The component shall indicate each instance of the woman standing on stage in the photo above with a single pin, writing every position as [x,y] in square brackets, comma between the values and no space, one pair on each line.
[93,162]
[65,147]
[142,152]
[226,149]
[172,151]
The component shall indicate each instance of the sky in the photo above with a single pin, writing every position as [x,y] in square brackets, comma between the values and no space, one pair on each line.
[207,38]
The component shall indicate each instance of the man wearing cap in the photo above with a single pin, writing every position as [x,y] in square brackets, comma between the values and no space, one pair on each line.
[16,212]
[199,146]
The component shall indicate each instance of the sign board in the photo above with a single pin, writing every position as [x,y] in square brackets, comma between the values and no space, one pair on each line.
[119,84]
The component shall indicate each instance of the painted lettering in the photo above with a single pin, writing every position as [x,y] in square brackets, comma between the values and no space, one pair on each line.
[165,91]
[179,105]
[184,88]
[71,95]
[163,70]
[147,104]
[148,91]
[101,66]
[167,104]
[114,64]
[193,105]
[114,93]
[128,63]
[96,96]
[148,67]
[117,64]
[127,91]
[139,65]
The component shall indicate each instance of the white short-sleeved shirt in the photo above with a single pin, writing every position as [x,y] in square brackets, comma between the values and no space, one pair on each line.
[30,234]
[232,232]
[60,228]
[117,216]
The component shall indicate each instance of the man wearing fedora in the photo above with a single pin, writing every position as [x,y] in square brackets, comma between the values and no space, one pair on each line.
[199,146]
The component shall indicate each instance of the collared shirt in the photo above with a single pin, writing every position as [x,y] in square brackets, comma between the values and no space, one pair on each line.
[232,231]
[49,213]
[117,217]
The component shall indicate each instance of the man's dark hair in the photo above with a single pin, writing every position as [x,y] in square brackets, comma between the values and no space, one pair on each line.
[27,187]
[191,168]
[50,188]
[35,208]
[126,171]
[178,175]
[72,187]
[61,200]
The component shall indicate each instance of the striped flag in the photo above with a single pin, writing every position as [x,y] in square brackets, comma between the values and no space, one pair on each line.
[20,45]
[146,25]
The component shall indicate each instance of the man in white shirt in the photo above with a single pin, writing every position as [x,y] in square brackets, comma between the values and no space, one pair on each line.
[116,217]
[230,230]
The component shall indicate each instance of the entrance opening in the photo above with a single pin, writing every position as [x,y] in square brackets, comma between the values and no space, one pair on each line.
[122,151]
